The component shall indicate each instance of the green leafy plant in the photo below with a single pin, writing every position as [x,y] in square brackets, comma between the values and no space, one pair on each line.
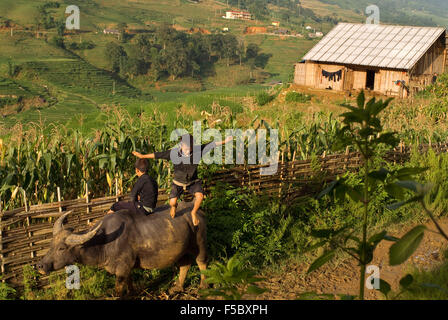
[231,281]
[293,96]
[263,98]
[6,292]
[30,282]
[363,131]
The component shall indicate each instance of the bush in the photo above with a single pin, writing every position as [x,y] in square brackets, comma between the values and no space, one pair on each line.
[260,229]
[231,280]
[95,283]
[58,42]
[293,96]
[6,292]
[86,45]
[263,98]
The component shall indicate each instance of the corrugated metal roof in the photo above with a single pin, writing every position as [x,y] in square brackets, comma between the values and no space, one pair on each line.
[395,47]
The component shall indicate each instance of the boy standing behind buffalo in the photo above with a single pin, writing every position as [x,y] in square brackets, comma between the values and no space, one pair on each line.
[185,170]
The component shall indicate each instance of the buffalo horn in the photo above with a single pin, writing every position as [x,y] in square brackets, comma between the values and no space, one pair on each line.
[77,239]
[59,224]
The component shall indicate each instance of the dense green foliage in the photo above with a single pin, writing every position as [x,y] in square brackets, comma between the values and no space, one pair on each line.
[297,97]
[263,98]
[167,52]
[231,281]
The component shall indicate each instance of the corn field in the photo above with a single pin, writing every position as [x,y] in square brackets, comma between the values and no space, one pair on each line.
[35,162]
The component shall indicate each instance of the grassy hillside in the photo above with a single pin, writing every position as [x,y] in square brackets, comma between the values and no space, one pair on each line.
[72,87]
[413,12]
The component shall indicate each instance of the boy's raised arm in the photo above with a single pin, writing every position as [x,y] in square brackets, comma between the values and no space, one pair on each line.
[143,156]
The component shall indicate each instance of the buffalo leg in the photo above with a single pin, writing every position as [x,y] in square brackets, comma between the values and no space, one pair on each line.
[182,275]
[202,266]
[201,258]
[121,285]
[184,265]
[130,286]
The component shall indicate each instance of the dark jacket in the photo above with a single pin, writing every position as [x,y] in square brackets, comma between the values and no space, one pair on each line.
[145,187]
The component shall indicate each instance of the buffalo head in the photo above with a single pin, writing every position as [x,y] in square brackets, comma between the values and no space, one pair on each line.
[62,250]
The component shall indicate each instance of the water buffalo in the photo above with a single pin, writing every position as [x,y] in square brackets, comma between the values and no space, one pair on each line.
[123,241]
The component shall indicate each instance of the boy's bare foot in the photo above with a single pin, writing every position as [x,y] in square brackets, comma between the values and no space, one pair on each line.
[195,219]
[173,212]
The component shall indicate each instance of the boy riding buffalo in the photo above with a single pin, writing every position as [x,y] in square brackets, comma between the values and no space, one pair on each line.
[185,179]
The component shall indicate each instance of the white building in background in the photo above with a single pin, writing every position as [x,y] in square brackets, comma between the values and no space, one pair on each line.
[238,15]
[111,31]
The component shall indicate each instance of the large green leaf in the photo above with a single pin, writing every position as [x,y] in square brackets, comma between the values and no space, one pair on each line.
[328,189]
[323,259]
[380,175]
[255,290]
[406,173]
[384,287]
[406,281]
[395,191]
[378,237]
[401,250]
[397,205]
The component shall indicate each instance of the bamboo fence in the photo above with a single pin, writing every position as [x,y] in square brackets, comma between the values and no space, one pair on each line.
[26,232]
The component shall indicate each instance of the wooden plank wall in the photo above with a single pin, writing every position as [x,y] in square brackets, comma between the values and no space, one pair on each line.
[359,79]
[300,74]
[385,82]
[432,60]
[315,79]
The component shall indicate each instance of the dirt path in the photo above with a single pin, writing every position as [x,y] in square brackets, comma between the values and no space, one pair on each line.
[342,277]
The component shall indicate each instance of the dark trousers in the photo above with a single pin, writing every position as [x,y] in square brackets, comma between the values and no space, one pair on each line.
[132,206]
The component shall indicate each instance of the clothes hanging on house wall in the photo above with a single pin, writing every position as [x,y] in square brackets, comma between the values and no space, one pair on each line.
[332,76]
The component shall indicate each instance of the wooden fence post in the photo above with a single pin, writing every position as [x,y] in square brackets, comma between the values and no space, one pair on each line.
[2,261]
[292,171]
[323,160]
[116,189]
[28,224]
[59,199]
[87,202]
[347,152]
[280,185]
